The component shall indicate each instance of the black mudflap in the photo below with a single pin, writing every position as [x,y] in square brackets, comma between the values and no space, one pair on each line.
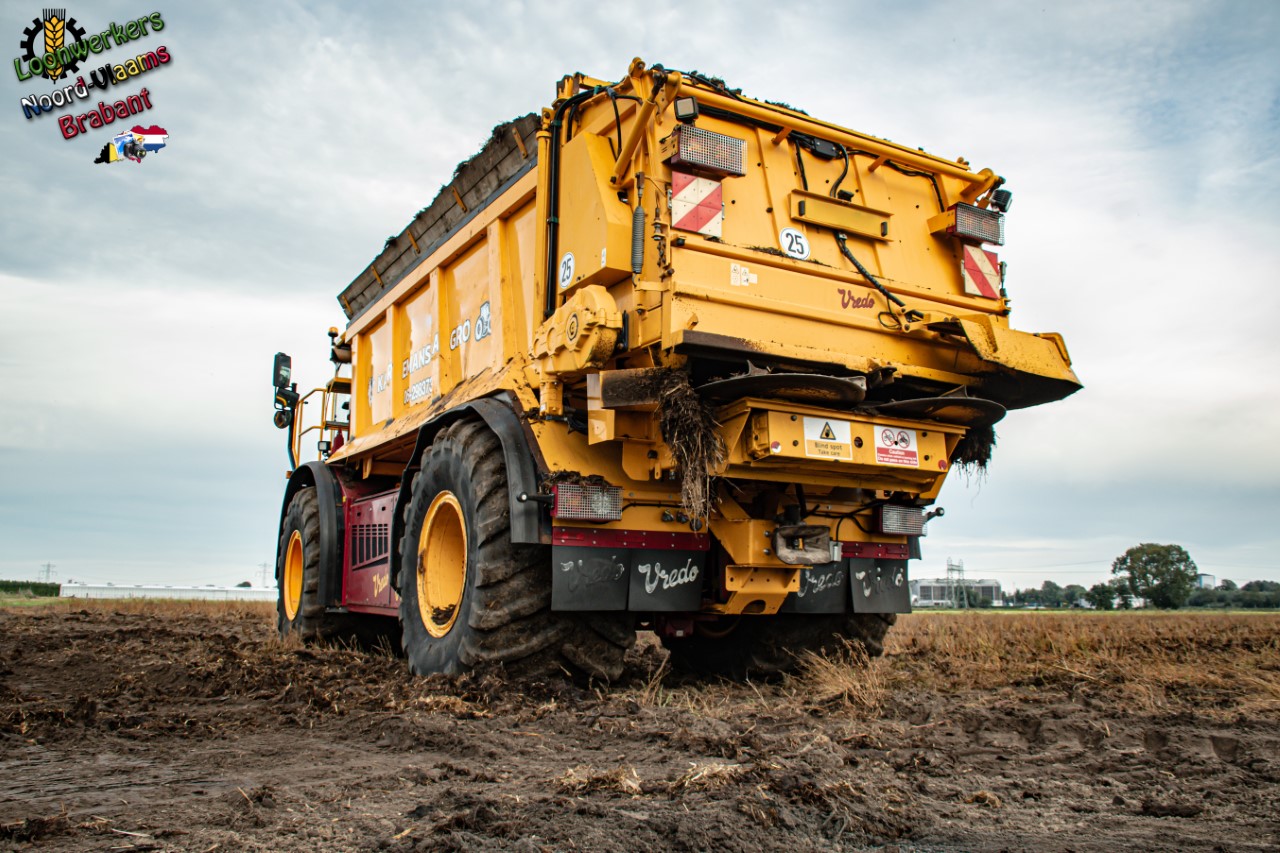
[879,586]
[587,578]
[865,585]
[823,589]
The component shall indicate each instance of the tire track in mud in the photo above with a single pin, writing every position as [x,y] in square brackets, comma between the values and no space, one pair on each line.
[196,729]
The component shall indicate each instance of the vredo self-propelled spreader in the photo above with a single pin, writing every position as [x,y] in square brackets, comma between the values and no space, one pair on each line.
[662,357]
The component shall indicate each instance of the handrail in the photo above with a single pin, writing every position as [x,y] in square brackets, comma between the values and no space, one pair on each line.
[324,426]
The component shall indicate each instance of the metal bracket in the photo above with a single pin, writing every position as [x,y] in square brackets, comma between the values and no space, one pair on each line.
[802,544]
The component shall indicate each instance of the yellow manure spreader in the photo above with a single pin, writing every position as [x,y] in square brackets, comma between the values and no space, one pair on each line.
[661,357]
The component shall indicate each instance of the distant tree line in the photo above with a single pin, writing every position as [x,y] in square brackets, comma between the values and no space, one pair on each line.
[1162,575]
[40,590]
[1251,595]
[1103,596]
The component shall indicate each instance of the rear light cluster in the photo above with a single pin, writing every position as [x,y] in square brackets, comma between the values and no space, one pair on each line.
[586,502]
[708,152]
[902,520]
[979,225]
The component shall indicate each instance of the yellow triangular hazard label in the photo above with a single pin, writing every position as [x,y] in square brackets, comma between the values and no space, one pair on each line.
[828,434]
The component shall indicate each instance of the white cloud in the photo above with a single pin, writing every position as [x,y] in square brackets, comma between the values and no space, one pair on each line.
[143,302]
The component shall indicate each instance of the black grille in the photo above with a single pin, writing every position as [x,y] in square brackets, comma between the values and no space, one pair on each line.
[369,543]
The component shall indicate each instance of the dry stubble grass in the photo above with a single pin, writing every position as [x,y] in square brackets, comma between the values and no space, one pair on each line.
[1219,663]
[1213,662]
[157,606]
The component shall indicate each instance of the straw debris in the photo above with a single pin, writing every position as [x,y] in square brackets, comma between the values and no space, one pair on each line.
[690,429]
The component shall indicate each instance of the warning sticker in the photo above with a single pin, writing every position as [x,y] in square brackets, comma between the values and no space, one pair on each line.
[897,446]
[740,275]
[826,438]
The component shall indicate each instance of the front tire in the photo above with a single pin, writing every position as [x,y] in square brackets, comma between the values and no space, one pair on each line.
[298,608]
[468,594]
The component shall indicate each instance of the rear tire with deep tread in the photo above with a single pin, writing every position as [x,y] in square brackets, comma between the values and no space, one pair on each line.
[767,647]
[504,614]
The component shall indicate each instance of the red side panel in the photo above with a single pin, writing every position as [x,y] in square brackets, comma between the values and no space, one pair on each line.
[366,574]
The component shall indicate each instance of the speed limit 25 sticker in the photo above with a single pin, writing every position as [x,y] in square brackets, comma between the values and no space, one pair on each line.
[794,244]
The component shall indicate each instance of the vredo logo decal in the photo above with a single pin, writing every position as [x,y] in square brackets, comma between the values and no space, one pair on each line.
[590,572]
[816,581]
[851,300]
[655,575]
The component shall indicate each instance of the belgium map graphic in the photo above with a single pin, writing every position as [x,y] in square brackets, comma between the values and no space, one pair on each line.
[133,144]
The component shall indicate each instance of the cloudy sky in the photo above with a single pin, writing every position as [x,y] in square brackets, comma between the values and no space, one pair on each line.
[142,303]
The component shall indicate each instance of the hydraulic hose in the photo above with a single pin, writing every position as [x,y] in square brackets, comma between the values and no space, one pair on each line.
[835,188]
[553,194]
[865,273]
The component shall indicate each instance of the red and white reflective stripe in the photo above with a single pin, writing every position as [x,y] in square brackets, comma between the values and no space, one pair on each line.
[981,271]
[697,204]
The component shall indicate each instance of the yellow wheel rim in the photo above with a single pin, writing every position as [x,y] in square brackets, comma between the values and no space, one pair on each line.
[291,590]
[442,564]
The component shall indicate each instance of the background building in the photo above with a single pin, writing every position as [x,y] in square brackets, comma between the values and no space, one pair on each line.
[947,592]
[198,593]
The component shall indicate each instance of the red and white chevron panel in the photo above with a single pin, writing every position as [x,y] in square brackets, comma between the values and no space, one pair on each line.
[697,204]
[981,271]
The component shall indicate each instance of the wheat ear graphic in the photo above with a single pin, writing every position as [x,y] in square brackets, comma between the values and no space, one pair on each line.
[55,31]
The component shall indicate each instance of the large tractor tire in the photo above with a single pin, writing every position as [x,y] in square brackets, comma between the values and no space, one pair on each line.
[468,595]
[766,647]
[299,610]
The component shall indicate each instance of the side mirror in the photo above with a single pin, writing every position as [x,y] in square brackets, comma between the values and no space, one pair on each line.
[283,372]
[286,397]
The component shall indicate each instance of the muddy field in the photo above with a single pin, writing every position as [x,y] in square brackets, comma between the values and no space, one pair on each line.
[188,727]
